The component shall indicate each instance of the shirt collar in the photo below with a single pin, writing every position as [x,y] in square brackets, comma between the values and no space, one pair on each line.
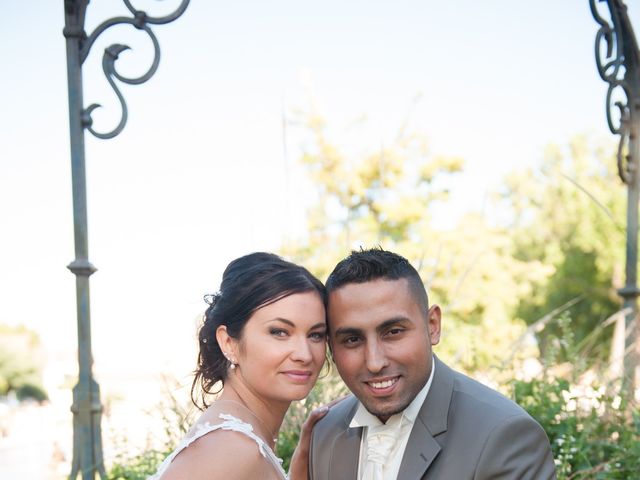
[363,418]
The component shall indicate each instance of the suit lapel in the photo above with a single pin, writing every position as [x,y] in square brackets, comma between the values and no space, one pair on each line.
[422,448]
[345,452]
[345,455]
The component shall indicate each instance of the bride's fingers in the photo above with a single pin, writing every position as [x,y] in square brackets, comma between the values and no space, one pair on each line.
[313,418]
[319,412]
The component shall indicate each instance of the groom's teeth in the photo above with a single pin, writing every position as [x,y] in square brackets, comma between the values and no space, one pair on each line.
[385,384]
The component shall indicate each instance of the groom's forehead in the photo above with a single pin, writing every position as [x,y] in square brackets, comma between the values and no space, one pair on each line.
[368,303]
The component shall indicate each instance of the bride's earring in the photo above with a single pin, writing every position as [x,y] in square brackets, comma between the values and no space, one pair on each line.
[233,364]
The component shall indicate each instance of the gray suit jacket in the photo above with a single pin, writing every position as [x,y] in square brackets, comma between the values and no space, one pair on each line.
[464,431]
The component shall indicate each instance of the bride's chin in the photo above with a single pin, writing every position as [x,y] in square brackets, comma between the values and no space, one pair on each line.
[301,396]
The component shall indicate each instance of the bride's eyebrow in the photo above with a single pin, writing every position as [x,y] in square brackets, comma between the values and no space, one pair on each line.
[293,325]
[283,320]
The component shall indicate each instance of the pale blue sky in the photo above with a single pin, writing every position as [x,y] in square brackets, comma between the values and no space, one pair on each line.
[197,176]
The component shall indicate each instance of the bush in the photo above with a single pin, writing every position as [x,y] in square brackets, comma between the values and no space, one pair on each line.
[31,391]
[594,432]
[138,467]
[592,436]
[21,362]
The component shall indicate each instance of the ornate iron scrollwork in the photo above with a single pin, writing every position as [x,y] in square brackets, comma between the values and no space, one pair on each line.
[141,21]
[616,53]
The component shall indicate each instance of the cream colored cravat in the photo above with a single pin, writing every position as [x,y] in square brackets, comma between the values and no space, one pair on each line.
[380,441]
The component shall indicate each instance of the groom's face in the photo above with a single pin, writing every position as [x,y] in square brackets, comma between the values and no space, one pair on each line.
[381,342]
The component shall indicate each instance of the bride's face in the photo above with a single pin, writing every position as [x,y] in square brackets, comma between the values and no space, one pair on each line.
[283,347]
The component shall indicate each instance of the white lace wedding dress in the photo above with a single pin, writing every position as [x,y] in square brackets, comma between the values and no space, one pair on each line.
[229,422]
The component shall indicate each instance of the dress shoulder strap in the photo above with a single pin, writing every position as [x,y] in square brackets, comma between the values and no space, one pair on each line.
[229,423]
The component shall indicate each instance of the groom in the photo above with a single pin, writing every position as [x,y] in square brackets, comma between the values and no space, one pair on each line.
[410,416]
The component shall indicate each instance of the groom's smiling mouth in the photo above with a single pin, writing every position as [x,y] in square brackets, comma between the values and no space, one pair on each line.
[382,386]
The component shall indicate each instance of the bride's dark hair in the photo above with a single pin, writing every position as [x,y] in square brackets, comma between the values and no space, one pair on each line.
[248,283]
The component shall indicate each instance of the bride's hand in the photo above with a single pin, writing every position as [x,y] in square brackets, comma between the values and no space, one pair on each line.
[299,466]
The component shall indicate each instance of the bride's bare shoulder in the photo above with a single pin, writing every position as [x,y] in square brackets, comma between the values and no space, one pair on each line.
[220,454]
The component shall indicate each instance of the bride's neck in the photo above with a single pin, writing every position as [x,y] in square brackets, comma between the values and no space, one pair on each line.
[269,414]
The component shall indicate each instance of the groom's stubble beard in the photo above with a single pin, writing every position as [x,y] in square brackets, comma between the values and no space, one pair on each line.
[386,414]
[383,413]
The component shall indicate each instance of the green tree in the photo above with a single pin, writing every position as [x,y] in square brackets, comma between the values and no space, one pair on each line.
[569,215]
[386,196]
[378,197]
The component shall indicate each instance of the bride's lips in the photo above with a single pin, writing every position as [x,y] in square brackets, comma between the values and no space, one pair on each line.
[298,376]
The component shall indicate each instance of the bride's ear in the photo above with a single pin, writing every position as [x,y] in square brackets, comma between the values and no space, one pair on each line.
[227,343]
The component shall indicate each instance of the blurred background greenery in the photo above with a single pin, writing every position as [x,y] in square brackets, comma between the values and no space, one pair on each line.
[529,299]
[21,363]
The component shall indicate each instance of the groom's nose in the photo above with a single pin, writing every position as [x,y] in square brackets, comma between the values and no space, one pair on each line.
[375,356]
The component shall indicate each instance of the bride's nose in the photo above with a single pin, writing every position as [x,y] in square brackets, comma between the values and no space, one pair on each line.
[301,350]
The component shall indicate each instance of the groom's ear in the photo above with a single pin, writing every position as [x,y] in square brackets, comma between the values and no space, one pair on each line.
[434,318]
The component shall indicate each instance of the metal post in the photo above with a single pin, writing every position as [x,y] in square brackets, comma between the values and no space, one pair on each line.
[618,62]
[86,407]
[630,291]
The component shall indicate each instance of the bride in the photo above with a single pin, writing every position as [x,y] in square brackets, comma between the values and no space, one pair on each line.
[262,344]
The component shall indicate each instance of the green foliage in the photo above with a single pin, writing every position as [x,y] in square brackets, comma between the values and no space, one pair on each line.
[594,434]
[569,215]
[21,363]
[139,467]
[385,196]
[595,441]
[31,391]
[380,196]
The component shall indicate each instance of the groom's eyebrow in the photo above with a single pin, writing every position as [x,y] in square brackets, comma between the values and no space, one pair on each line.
[347,331]
[399,320]
[343,331]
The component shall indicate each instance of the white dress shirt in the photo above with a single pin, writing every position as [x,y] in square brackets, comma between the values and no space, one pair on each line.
[403,421]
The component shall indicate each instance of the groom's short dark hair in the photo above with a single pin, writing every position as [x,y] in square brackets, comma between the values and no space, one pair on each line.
[373,264]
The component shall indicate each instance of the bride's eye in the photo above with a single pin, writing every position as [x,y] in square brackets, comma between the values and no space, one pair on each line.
[318,336]
[278,332]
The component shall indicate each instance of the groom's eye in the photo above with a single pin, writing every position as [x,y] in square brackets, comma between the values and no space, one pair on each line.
[394,331]
[350,341]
